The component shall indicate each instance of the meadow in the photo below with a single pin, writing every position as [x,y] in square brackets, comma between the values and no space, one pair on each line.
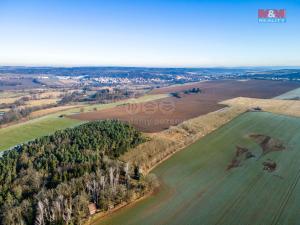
[198,186]
[20,133]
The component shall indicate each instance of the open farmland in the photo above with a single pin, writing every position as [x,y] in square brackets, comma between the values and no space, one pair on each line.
[199,185]
[41,102]
[19,133]
[159,115]
[56,109]
[291,95]
[8,100]
[17,84]
[285,107]
[47,124]
[249,88]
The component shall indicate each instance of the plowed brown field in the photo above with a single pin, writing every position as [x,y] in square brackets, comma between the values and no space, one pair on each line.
[160,114]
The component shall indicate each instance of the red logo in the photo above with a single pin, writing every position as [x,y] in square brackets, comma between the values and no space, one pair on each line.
[272,15]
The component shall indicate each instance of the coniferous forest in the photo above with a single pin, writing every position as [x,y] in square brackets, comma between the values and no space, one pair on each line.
[53,179]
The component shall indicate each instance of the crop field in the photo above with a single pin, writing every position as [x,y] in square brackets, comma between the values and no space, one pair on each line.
[291,95]
[41,102]
[14,93]
[47,124]
[52,110]
[246,172]
[246,88]
[161,114]
[25,83]
[19,133]
[8,100]
[285,107]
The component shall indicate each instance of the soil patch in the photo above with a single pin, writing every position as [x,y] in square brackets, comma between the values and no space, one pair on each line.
[269,165]
[267,143]
[241,154]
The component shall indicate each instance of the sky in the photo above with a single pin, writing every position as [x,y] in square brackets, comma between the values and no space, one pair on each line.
[159,33]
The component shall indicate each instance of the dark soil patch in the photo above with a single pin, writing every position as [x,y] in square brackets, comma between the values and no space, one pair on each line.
[241,154]
[249,155]
[267,143]
[269,165]
[240,151]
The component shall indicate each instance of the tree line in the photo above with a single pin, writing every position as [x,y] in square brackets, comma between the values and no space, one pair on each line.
[53,179]
[15,113]
[188,91]
[100,96]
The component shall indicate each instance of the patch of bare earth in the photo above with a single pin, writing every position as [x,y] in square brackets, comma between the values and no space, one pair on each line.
[267,143]
[241,155]
[269,165]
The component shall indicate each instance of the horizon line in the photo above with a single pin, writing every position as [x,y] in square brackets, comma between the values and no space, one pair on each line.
[144,66]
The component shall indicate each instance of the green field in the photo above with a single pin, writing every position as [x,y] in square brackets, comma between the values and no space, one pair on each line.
[23,132]
[196,187]
[290,95]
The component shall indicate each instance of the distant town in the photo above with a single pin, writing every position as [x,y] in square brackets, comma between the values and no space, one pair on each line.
[18,77]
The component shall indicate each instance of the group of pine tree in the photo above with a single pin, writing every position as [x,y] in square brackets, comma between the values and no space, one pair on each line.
[53,179]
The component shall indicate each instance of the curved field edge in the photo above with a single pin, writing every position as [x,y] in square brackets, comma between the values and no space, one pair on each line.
[196,187]
[182,106]
[293,94]
[162,145]
[284,107]
[165,143]
[20,133]
[37,127]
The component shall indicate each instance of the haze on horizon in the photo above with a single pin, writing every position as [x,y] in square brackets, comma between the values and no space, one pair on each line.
[147,33]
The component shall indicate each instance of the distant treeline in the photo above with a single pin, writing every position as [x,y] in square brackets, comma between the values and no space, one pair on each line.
[192,91]
[189,91]
[101,96]
[18,109]
[52,180]
[20,102]
[16,114]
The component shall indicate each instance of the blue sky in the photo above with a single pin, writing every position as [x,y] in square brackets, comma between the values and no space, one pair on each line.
[147,33]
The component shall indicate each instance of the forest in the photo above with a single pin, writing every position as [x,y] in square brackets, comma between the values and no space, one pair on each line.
[53,179]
